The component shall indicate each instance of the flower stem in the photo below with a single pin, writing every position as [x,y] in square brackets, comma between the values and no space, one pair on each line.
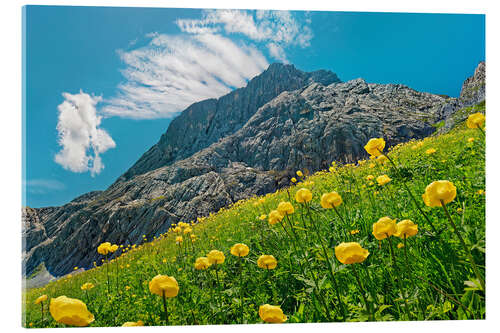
[165,307]
[107,272]
[41,303]
[241,288]
[398,277]
[465,247]
[362,291]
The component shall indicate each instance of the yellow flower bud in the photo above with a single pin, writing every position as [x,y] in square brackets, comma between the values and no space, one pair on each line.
[40,299]
[271,314]
[303,195]
[439,190]
[351,253]
[239,250]
[375,147]
[164,285]
[87,286]
[266,261]
[382,180]
[216,257]
[475,120]
[293,180]
[299,173]
[330,200]
[275,217]
[202,263]
[133,323]
[104,248]
[285,208]
[406,228]
[384,227]
[70,311]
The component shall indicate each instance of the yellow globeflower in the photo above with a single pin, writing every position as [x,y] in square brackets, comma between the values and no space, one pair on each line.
[430,151]
[351,253]
[164,285]
[177,229]
[262,200]
[406,228]
[216,257]
[370,177]
[382,180]
[202,263]
[239,250]
[303,195]
[294,180]
[104,248]
[285,208]
[70,311]
[299,173]
[87,286]
[267,261]
[271,314]
[113,248]
[384,227]
[354,232]
[330,200]
[133,323]
[382,159]
[439,190]
[40,299]
[400,245]
[263,217]
[275,217]
[470,140]
[375,147]
[178,239]
[476,120]
[188,230]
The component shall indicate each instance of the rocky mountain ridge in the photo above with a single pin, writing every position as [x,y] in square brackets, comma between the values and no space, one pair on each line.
[318,120]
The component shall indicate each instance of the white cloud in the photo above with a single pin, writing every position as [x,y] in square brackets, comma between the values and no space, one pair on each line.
[172,72]
[80,137]
[277,52]
[279,27]
[41,186]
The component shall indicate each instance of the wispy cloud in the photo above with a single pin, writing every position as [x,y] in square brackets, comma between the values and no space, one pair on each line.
[80,137]
[42,186]
[205,61]
[172,72]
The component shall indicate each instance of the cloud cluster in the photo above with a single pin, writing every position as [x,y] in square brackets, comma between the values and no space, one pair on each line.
[79,135]
[211,56]
[173,71]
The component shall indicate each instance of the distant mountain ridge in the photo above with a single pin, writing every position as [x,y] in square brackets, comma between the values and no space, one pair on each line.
[215,154]
[205,122]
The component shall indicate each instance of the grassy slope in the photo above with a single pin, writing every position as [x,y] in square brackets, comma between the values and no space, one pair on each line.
[439,293]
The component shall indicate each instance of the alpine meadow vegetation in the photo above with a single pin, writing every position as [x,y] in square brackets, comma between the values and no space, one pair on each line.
[398,236]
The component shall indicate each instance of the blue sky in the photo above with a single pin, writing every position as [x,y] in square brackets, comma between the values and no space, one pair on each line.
[103,83]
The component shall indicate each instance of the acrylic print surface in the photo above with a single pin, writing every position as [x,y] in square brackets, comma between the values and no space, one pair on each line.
[198,167]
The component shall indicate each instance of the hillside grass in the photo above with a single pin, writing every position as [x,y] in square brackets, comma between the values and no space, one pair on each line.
[431,279]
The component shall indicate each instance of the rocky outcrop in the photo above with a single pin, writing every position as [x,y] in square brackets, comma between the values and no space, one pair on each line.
[205,122]
[303,128]
[472,99]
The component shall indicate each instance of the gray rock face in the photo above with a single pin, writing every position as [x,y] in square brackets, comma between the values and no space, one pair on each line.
[206,122]
[473,93]
[253,150]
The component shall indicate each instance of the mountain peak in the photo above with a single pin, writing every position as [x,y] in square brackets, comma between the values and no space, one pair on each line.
[208,121]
